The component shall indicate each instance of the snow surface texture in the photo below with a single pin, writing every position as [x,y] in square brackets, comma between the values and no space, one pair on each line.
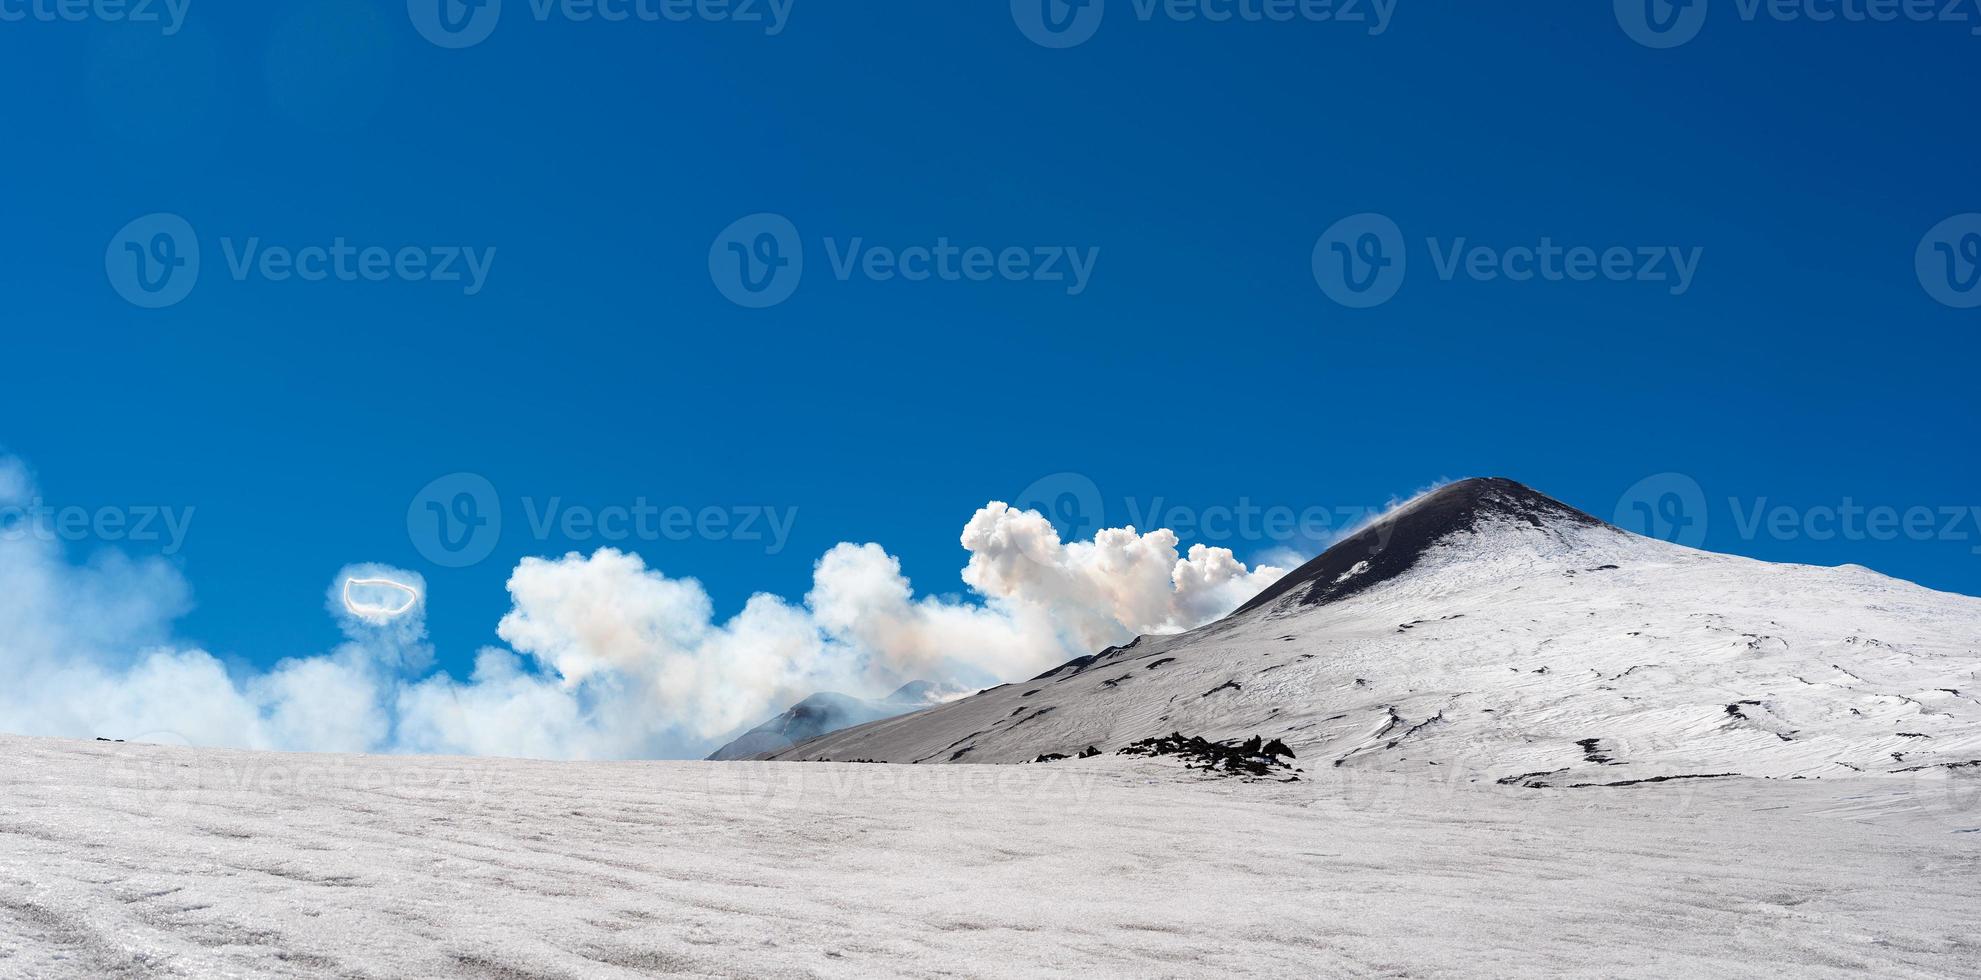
[126,860]
[1504,635]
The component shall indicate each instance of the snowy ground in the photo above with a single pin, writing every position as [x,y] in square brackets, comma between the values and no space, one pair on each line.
[121,860]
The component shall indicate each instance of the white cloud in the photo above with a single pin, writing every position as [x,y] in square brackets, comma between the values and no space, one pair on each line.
[1117,586]
[623,660]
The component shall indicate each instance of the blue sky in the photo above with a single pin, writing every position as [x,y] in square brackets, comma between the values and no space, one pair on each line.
[1201,365]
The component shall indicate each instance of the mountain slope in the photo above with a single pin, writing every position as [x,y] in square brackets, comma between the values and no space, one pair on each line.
[828,712]
[1497,633]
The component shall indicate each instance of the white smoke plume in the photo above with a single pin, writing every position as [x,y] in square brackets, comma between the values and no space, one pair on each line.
[606,657]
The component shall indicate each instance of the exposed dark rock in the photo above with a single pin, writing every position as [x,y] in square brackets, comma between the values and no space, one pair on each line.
[1949,766]
[1074,666]
[1247,758]
[1042,712]
[1524,777]
[1078,664]
[1653,779]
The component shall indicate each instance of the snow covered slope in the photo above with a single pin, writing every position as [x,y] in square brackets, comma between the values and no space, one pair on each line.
[139,861]
[828,712]
[1499,634]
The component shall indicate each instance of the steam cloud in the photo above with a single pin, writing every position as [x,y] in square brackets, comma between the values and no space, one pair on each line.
[606,658]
